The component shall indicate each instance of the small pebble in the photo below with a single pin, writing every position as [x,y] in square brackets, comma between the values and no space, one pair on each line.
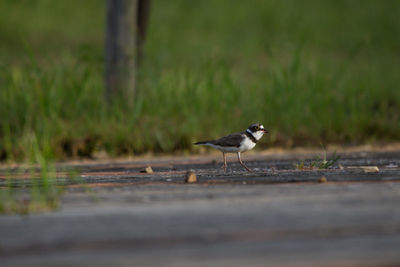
[190,177]
[148,169]
[322,179]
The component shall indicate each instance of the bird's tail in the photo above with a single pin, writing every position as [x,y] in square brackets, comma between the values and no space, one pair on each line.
[202,143]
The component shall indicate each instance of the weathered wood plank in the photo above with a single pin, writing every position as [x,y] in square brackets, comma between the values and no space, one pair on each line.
[229,225]
[233,219]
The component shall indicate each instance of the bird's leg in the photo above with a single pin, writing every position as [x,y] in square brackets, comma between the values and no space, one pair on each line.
[241,163]
[224,166]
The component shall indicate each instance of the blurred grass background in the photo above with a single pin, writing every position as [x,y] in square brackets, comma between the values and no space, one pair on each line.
[311,71]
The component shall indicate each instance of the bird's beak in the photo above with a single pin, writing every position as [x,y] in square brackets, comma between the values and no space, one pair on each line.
[265,131]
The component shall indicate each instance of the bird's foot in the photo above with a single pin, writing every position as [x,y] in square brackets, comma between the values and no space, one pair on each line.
[247,168]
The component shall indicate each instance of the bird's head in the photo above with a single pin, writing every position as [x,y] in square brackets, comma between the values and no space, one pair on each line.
[257,130]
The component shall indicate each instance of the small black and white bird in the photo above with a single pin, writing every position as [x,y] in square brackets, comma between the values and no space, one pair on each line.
[237,142]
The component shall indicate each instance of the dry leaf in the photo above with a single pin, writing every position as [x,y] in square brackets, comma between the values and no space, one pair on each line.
[365,169]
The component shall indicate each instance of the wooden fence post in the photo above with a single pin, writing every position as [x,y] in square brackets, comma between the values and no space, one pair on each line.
[121,50]
[125,33]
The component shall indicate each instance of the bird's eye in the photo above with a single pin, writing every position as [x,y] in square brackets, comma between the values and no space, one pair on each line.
[256,128]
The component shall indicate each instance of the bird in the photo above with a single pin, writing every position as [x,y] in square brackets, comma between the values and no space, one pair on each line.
[237,142]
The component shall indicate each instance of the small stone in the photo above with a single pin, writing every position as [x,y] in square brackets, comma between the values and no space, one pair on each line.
[148,169]
[322,179]
[190,177]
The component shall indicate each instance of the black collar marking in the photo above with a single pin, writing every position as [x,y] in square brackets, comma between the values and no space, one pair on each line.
[252,138]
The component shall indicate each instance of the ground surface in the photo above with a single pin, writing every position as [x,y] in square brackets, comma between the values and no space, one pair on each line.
[275,216]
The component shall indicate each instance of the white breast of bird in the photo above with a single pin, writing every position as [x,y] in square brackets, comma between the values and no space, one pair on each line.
[246,145]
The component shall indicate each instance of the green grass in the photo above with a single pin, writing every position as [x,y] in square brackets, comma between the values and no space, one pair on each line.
[33,188]
[319,162]
[311,71]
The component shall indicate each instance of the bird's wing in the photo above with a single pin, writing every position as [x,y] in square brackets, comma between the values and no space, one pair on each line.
[229,140]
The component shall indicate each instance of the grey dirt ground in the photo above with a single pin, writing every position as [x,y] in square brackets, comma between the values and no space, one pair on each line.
[275,216]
